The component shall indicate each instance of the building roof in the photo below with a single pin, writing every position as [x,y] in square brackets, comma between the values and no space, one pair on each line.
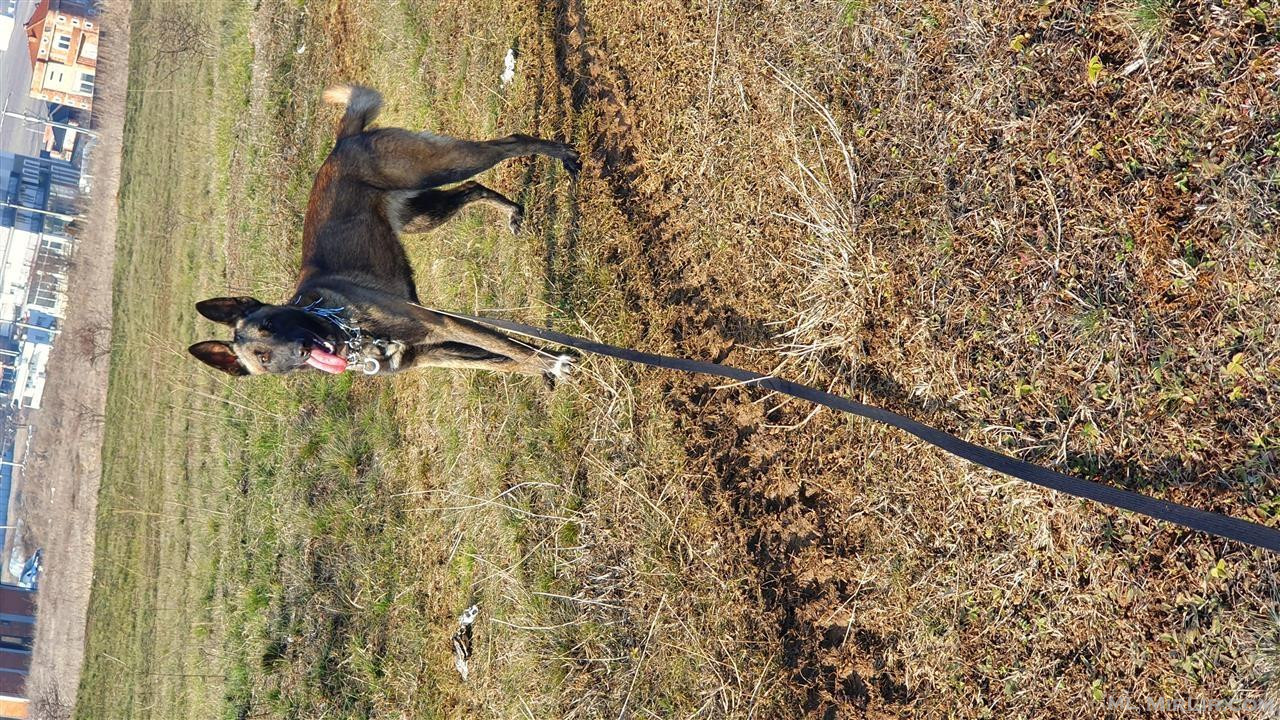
[34,27]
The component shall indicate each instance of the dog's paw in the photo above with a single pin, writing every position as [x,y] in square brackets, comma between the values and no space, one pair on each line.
[560,369]
[562,366]
[572,161]
[516,220]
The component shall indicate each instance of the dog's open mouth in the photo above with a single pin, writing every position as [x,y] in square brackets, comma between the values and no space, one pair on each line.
[326,361]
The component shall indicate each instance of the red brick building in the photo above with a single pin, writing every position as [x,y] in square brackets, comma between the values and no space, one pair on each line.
[62,40]
[17,635]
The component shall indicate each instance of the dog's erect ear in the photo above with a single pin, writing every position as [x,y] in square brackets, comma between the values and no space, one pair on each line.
[227,310]
[216,353]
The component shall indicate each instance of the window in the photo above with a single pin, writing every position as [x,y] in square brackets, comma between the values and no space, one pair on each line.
[88,24]
[64,42]
[15,642]
[45,297]
[86,84]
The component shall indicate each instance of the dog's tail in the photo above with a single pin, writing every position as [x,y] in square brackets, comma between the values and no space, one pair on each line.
[362,104]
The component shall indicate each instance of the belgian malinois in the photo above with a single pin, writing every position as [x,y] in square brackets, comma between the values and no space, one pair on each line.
[355,303]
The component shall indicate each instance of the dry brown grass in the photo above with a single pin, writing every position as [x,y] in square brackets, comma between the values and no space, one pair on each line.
[962,225]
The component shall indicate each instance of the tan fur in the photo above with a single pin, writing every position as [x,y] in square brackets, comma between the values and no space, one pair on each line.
[337,95]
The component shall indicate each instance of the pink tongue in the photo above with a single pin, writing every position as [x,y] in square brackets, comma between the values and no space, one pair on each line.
[326,361]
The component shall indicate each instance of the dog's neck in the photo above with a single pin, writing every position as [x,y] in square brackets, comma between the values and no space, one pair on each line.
[334,314]
[372,311]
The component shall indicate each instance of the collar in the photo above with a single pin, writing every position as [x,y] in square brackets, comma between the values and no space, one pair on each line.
[362,350]
[334,315]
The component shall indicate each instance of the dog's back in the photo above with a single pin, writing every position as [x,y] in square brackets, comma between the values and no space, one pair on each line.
[348,232]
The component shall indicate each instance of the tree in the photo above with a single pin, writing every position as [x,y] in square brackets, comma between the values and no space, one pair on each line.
[49,705]
[172,40]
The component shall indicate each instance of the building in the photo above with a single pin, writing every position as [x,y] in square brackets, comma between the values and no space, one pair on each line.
[37,196]
[23,379]
[65,138]
[17,636]
[35,192]
[32,301]
[13,708]
[8,11]
[60,143]
[62,40]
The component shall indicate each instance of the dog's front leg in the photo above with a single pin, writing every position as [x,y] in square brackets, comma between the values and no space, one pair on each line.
[450,354]
[396,355]
[455,342]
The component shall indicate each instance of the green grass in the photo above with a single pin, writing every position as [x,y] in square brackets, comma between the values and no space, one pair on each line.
[1152,17]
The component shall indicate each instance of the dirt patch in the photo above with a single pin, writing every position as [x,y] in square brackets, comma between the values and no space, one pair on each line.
[60,506]
[692,305]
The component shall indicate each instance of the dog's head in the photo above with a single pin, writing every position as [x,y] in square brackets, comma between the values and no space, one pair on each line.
[268,338]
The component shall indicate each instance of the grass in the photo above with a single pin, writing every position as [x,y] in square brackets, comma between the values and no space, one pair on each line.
[1152,16]
[897,202]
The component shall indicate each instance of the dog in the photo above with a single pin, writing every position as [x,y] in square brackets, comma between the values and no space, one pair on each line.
[355,304]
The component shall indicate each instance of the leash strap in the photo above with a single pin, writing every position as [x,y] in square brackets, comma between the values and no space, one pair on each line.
[1225,526]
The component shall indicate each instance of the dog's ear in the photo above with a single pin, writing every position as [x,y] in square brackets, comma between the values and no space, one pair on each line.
[227,310]
[218,354]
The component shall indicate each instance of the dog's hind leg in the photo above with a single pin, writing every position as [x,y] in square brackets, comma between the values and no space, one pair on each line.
[397,159]
[429,209]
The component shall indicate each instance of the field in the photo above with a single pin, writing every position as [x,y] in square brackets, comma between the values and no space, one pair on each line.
[1049,229]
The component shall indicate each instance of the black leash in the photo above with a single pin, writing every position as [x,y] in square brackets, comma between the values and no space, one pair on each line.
[1201,520]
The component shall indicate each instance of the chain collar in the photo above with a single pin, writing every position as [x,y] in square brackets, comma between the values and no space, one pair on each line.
[362,350]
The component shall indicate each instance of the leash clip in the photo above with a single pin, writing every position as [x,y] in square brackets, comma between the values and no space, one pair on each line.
[371,366]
